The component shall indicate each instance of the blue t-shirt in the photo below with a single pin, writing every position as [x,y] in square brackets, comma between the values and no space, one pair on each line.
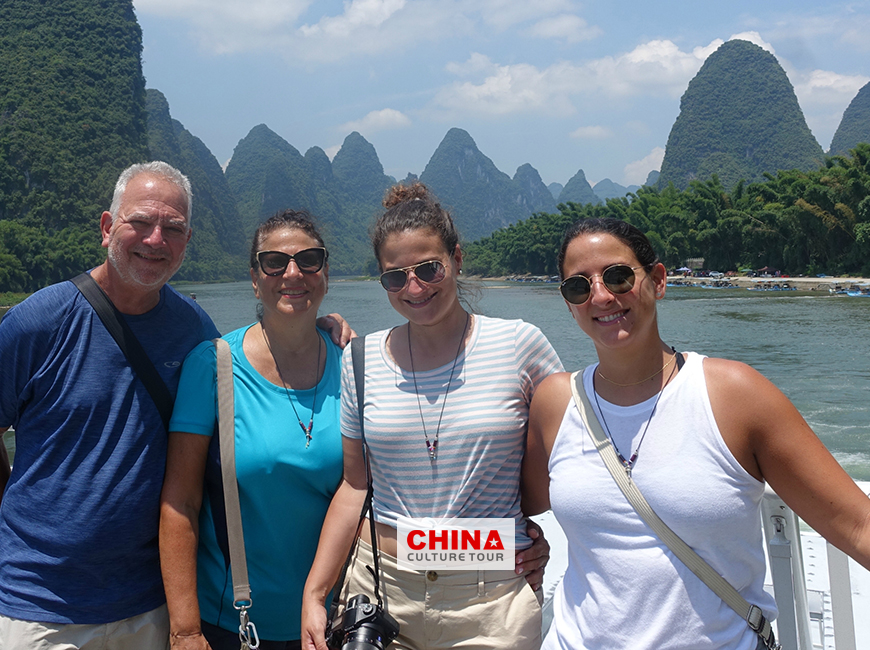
[284,487]
[79,517]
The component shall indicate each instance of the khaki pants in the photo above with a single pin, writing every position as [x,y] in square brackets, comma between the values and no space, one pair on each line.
[148,631]
[472,610]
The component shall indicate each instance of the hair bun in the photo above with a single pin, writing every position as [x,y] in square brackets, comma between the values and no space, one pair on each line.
[401,193]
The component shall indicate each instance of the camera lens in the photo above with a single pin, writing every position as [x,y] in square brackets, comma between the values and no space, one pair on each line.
[366,626]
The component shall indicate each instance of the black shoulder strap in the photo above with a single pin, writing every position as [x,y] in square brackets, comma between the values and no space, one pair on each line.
[129,344]
[357,350]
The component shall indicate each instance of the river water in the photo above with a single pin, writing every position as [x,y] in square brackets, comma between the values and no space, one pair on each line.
[815,347]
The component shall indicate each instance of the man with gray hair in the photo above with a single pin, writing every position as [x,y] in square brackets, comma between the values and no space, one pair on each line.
[78,518]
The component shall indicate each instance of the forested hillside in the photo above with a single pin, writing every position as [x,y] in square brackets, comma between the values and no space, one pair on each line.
[578,190]
[480,197]
[796,221]
[74,112]
[72,116]
[855,126]
[267,174]
[216,251]
[739,118]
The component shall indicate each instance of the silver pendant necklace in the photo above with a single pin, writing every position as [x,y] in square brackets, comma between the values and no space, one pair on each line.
[306,430]
[628,465]
[432,448]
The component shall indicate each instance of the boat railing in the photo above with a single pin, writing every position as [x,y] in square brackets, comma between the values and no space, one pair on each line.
[809,618]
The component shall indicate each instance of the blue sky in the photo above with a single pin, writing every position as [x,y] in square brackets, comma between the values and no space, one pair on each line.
[561,85]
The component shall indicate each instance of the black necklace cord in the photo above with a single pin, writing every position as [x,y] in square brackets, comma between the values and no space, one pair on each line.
[629,464]
[306,430]
[432,448]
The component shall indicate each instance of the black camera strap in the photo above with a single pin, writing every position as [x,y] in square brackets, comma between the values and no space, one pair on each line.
[357,349]
[117,326]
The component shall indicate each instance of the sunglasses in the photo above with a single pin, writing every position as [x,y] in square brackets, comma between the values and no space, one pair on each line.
[618,278]
[309,260]
[430,272]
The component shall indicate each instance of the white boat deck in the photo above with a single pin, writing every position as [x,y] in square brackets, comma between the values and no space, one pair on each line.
[828,614]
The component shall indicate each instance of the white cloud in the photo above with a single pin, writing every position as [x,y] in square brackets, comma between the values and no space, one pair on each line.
[754,37]
[656,67]
[362,26]
[567,27]
[825,87]
[512,89]
[477,64]
[653,68]
[383,120]
[503,14]
[635,173]
[591,133]
[226,26]
[331,151]
[358,15]
[823,96]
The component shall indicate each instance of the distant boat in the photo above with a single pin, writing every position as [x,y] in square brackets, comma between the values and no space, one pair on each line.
[771,285]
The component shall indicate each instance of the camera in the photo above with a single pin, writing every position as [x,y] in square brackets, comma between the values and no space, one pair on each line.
[364,626]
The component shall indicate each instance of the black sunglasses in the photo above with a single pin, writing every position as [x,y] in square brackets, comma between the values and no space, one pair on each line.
[618,278]
[309,260]
[430,272]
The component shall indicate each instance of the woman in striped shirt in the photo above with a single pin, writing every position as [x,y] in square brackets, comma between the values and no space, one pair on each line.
[445,416]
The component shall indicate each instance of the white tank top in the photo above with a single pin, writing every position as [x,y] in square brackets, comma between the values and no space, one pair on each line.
[623,587]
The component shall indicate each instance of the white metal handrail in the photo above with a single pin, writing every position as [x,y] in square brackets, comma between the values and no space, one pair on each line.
[783,534]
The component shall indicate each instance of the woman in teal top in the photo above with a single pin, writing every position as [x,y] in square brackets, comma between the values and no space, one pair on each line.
[288,451]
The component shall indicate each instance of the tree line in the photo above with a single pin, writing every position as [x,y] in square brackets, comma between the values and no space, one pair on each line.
[796,221]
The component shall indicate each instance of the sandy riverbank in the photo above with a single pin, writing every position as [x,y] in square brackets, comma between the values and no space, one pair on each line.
[803,284]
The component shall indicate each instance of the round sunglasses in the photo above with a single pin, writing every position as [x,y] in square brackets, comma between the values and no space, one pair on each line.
[309,260]
[618,278]
[430,272]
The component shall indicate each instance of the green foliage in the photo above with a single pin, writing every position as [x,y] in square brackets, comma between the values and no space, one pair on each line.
[267,175]
[796,221]
[479,196]
[578,190]
[739,118]
[855,126]
[217,250]
[71,118]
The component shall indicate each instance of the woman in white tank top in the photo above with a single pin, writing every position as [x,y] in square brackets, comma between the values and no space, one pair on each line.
[699,437]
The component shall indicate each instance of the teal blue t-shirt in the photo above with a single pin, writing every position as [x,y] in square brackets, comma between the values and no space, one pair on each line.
[284,488]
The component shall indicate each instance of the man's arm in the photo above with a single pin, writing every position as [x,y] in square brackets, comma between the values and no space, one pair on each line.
[5,469]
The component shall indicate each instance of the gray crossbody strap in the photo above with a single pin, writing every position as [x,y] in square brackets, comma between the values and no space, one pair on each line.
[227,433]
[752,614]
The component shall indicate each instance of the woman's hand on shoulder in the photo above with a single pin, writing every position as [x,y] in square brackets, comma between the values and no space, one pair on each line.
[339,330]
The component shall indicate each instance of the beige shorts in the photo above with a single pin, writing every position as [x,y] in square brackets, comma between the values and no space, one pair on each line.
[473,610]
[148,631]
